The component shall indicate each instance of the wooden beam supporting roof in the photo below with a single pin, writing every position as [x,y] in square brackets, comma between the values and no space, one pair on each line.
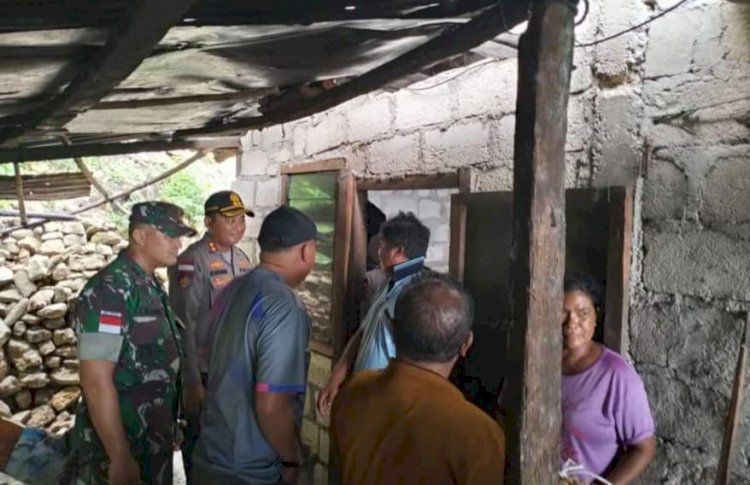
[495,20]
[533,394]
[99,150]
[128,44]
[195,99]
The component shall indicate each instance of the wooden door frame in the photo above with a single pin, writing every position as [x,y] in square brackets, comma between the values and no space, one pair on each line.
[619,255]
[459,179]
[342,244]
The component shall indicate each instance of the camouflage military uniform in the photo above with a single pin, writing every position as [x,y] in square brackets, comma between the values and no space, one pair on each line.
[123,316]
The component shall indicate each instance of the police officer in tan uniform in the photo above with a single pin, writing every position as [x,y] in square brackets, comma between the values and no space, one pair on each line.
[201,272]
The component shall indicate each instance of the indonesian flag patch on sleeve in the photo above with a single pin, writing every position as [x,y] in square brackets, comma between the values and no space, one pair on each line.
[185,266]
[110,322]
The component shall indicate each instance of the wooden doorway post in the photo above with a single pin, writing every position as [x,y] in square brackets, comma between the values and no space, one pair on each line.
[534,414]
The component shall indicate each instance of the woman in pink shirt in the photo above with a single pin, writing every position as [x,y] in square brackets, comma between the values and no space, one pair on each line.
[607,423]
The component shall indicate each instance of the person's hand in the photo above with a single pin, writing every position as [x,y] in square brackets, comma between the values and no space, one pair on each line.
[124,471]
[192,398]
[326,397]
[289,474]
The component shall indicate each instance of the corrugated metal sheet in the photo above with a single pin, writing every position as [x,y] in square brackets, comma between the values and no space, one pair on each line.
[53,186]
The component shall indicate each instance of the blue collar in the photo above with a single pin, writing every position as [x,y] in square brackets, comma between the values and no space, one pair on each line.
[407,268]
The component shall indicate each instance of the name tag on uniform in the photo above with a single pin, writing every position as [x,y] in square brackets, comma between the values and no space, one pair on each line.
[220,281]
[144,319]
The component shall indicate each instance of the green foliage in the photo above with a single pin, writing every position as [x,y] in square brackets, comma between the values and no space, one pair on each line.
[184,189]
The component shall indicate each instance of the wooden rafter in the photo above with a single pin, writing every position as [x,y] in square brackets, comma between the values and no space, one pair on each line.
[100,150]
[129,42]
[495,20]
[198,98]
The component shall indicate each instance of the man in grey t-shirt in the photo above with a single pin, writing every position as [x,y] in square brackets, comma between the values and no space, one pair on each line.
[258,363]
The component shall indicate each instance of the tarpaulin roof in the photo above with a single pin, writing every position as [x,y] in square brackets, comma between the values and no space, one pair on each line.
[92,72]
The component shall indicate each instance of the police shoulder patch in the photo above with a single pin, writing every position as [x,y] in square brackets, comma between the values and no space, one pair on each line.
[184,280]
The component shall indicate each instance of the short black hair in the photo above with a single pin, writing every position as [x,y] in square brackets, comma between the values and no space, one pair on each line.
[432,319]
[587,284]
[407,231]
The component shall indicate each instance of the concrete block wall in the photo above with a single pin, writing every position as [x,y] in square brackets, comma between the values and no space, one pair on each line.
[432,207]
[668,103]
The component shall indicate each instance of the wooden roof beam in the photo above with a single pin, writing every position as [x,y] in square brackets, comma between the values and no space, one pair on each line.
[8,155]
[455,40]
[129,42]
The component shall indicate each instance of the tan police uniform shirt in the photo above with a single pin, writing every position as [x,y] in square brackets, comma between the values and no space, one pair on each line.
[201,272]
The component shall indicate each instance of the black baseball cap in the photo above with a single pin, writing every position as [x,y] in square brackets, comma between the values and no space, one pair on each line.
[226,203]
[286,227]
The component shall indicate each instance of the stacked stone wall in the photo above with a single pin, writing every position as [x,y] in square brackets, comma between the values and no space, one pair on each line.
[41,272]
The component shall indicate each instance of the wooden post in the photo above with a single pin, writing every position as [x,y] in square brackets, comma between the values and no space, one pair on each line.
[618,268]
[734,414]
[533,393]
[19,193]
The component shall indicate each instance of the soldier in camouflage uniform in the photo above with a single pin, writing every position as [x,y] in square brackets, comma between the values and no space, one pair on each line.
[129,348]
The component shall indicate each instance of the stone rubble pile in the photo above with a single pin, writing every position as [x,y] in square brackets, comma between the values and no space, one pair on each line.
[41,272]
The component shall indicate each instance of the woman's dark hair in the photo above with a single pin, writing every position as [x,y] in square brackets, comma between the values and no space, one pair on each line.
[432,319]
[586,284]
[407,231]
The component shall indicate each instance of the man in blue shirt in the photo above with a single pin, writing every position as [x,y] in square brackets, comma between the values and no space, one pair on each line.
[258,363]
[402,253]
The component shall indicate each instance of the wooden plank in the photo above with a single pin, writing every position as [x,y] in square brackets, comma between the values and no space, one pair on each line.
[357,264]
[10,432]
[194,99]
[457,250]
[52,216]
[346,193]
[464,180]
[129,43]
[116,205]
[619,255]
[317,166]
[321,348]
[284,192]
[18,182]
[459,214]
[197,156]
[45,186]
[100,150]
[534,418]
[734,416]
[411,182]
[493,20]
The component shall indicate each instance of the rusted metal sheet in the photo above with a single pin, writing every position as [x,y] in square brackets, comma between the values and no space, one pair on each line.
[47,187]
[71,68]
